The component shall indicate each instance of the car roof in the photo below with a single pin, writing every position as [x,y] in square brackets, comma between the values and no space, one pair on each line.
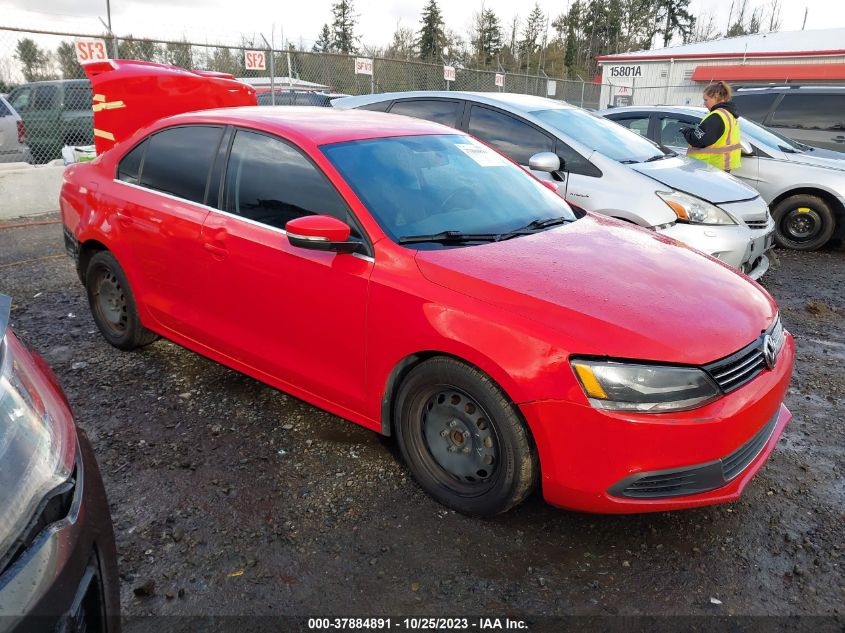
[692,110]
[512,101]
[311,125]
[779,89]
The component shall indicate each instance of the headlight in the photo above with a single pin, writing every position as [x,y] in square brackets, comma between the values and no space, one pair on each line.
[645,388]
[37,441]
[694,210]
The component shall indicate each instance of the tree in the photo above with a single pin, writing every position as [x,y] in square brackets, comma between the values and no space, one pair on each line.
[68,64]
[743,26]
[404,44]
[486,38]
[673,16]
[432,35]
[34,61]
[705,28]
[571,56]
[324,41]
[179,54]
[343,27]
[534,27]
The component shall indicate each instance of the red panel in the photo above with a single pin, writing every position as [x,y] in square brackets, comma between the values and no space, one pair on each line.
[771,72]
[749,55]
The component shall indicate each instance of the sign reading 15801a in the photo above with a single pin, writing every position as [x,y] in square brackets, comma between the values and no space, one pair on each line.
[626,71]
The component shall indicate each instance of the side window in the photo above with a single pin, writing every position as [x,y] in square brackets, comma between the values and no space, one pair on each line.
[754,106]
[670,131]
[129,168]
[635,124]
[20,99]
[378,106]
[811,112]
[4,111]
[269,181]
[77,97]
[178,160]
[574,163]
[510,136]
[435,110]
[44,99]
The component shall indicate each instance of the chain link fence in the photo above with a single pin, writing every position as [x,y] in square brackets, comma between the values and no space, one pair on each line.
[59,113]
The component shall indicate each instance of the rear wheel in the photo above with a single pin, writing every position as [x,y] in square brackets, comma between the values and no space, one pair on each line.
[803,222]
[463,440]
[113,305]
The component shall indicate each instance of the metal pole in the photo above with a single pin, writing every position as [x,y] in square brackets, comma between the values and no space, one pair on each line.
[583,85]
[113,40]
[272,66]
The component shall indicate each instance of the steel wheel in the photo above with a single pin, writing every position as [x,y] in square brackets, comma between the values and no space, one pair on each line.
[110,301]
[803,222]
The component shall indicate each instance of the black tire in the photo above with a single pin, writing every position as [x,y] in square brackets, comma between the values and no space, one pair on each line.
[493,467]
[113,305]
[803,222]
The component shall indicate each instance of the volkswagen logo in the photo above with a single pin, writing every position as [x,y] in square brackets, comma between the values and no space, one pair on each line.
[770,352]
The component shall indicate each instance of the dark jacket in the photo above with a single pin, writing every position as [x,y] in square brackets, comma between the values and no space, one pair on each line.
[710,129]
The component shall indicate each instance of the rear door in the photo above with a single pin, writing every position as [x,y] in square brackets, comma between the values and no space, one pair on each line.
[8,131]
[445,111]
[298,315]
[815,119]
[157,202]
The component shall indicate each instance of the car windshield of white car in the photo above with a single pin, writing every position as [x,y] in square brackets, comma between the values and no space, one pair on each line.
[602,135]
[450,187]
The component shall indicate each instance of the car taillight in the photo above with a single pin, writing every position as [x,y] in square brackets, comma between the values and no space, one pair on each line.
[21,133]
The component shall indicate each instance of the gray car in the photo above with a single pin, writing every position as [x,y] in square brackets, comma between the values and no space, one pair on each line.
[804,187]
[605,169]
[13,147]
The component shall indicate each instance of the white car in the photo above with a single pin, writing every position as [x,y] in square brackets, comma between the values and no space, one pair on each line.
[13,147]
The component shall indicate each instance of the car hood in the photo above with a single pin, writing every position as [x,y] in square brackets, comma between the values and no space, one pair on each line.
[696,178]
[816,160]
[609,289]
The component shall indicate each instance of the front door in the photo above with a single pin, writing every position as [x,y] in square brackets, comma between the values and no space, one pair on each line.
[296,314]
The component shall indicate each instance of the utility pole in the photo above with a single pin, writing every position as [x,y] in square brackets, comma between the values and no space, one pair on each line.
[272,66]
[806,11]
[108,20]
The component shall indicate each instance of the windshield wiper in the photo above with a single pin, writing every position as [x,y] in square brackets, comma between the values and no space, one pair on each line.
[788,150]
[449,237]
[659,157]
[535,225]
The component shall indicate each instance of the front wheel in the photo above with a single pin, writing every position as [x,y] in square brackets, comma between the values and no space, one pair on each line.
[113,305]
[803,222]
[463,440]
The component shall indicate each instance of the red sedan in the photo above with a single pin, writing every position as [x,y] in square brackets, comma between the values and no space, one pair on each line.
[408,278]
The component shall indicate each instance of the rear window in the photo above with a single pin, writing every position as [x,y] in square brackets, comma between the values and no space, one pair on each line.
[178,160]
[45,98]
[811,112]
[754,106]
[78,97]
[435,110]
[130,165]
[4,111]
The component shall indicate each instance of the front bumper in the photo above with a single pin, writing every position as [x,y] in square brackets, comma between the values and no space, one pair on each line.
[728,243]
[586,454]
[68,576]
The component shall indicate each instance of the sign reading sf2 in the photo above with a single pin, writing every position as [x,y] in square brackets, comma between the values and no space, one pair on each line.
[88,51]
[254,60]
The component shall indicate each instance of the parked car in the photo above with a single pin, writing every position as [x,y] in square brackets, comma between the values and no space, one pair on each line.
[299,97]
[407,277]
[805,189]
[58,566]
[814,115]
[56,113]
[13,147]
[605,169]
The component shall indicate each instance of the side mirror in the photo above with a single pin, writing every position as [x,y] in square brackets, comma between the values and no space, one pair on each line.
[321,233]
[746,148]
[544,161]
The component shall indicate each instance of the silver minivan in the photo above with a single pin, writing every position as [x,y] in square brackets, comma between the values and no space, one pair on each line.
[605,168]
[804,186]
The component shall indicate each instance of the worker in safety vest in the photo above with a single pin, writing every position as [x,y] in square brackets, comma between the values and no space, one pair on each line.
[716,139]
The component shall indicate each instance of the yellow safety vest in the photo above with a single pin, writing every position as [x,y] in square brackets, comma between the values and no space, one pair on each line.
[726,152]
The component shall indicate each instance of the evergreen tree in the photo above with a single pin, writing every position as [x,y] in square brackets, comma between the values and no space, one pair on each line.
[487,38]
[673,16]
[432,35]
[179,54]
[343,27]
[68,64]
[324,41]
[535,24]
[33,60]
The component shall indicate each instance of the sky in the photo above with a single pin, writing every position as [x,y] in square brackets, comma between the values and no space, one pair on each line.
[223,21]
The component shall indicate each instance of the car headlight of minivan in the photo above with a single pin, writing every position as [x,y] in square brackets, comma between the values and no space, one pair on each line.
[646,388]
[37,442]
[694,210]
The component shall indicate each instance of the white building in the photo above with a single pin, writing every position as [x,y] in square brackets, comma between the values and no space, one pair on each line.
[677,75]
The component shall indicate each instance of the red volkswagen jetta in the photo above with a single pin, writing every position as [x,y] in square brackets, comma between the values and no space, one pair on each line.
[408,278]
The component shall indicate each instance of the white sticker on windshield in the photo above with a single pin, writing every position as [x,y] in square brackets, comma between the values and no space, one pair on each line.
[484,156]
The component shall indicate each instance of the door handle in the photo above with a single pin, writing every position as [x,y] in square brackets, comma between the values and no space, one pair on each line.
[219,252]
[123,219]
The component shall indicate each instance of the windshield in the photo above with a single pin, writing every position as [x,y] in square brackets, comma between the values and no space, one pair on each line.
[425,185]
[768,138]
[600,134]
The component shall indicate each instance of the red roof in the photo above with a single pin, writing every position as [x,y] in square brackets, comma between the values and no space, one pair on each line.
[770,72]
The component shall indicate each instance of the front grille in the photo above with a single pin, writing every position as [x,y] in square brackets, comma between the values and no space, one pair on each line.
[757,224]
[732,372]
[692,480]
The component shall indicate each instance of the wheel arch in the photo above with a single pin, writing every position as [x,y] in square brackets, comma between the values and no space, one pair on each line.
[835,203]
[87,250]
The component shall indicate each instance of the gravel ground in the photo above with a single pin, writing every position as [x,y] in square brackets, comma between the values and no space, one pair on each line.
[229,497]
